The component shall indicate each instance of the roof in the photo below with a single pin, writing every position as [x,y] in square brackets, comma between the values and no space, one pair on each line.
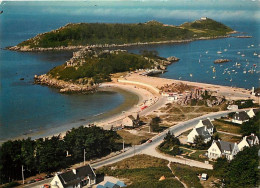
[225,146]
[251,138]
[241,116]
[256,110]
[109,184]
[131,117]
[204,133]
[69,177]
[121,184]
[208,123]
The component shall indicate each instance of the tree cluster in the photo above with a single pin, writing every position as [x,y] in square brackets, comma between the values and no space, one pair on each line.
[242,171]
[50,154]
[154,124]
[251,126]
[100,68]
[170,144]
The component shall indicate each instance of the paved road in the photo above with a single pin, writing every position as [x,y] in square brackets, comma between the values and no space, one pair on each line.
[148,148]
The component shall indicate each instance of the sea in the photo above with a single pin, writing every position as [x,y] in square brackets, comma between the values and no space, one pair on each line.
[32,110]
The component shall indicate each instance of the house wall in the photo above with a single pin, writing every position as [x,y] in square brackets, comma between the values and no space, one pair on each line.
[242,144]
[214,152]
[56,181]
[127,122]
[191,136]
[237,121]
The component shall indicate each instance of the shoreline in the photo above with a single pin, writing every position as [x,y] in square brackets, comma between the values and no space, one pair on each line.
[103,118]
[146,89]
[68,48]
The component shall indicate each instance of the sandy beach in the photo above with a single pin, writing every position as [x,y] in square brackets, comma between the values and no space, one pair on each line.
[146,88]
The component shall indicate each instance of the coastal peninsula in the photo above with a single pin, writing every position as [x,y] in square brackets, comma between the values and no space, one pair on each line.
[78,35]
[88,68]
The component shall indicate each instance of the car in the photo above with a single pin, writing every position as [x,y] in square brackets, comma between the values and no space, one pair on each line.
[46,186]
[39,179]
[31,181]
[149,141]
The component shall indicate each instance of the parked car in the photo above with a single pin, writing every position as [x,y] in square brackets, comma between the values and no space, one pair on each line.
[39,179]
[149,141]
[46,186]
[204,176]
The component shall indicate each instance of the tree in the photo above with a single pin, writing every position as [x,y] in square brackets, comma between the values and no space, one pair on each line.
[199,141]
[251,126]
[154,124]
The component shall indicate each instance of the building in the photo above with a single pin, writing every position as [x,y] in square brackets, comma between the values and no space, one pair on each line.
[221,148]
[132,121]
[232,107]
[76,178]
[248,141]
[240,117]
[201,131]
[208,124]
[204,128]
[203,18]
[252,112]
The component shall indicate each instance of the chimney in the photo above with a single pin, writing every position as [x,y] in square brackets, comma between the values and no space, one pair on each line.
[74,171]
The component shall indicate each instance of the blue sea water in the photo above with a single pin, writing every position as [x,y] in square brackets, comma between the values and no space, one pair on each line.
[25,107]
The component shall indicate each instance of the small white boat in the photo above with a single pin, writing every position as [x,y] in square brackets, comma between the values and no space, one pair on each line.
[230,80]
[207,52]
[225,50]
[214,77]
[252,45]
[219,52]
[243,55]
[255,54]
[238,52]
[244,72]
[258,56]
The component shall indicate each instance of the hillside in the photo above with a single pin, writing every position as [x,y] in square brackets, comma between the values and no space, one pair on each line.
[85,34]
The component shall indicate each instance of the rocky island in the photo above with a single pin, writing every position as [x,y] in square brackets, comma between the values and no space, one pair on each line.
[88,68]
[75,36]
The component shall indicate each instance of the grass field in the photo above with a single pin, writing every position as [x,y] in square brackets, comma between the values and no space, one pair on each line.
[226,127]
[142,171]
[229,138]
[134,139]
[189,175]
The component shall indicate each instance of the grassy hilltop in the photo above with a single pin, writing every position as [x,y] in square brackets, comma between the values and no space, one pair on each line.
[114,33]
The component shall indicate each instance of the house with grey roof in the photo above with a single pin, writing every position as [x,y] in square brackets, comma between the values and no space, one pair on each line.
[240,117]
[248,141]
[131,120]
[252,112]
[204,128]
[222,148]
[76,178]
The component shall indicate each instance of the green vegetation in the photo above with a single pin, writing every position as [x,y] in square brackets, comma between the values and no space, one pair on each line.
[209,27]
[133,139]
[99,68]
[49,154]
[225,126]
[251,126]
[188,174]
[245,104]
[170,144]
[154,124]
[142,171]
[103,33]
[241,171]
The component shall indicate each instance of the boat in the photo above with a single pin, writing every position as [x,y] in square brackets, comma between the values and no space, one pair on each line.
[219,52]
[225,50]
[258,56]
[252,45]
[243,55]
[244,72]
[207,52]
[238,52]
[1,12]
[255,54]
[230,80]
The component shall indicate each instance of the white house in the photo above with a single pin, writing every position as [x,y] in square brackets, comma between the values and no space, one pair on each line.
[201,131]
[221,148]
[204,128]
[76,178]
[252,112]
[132,120]
[208,124]
[248,141]
[240,117]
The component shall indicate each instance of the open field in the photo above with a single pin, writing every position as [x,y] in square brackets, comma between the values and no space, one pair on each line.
[226,127]
[142,171]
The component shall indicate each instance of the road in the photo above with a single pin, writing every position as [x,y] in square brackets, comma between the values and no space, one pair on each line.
[149,148]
